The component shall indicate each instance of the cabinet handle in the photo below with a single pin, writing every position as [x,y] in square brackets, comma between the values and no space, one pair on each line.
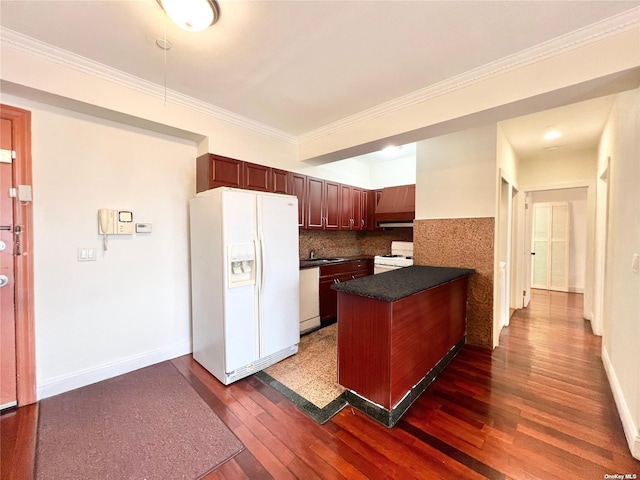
[353,277]
[362,223]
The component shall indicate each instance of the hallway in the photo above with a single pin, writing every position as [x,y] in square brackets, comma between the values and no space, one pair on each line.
[538,407]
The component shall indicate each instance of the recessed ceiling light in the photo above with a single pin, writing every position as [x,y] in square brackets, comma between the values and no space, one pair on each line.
[551,133]
[391,150]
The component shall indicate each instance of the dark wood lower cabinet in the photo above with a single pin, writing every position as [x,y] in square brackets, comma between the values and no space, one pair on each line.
[340,272]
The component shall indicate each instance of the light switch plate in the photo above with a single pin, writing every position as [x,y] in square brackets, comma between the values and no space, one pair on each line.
[143,228]
[87,254]
[635,263]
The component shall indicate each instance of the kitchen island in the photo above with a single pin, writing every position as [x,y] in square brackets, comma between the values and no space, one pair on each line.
[396,332]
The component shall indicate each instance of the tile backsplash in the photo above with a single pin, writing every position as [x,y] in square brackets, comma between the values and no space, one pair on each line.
[464,243]
[342,243]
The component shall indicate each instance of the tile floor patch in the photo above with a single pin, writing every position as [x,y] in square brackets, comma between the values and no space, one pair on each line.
[309,378]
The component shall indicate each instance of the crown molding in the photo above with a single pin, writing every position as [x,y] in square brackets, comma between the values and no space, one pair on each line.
[27,45]
[615,25]
[600,30]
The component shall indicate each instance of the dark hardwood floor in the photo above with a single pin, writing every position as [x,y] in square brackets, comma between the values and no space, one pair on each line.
[539,406]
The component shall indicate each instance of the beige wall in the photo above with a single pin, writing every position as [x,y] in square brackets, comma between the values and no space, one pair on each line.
[621,309]
[455,175]
[131,307]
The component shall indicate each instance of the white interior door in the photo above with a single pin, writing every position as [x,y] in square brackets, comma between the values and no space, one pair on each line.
[550,246]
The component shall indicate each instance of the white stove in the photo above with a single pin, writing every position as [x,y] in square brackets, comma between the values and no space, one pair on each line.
[401,256]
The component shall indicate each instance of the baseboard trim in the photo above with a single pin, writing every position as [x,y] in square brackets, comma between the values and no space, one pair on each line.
[628,425]
[65,383]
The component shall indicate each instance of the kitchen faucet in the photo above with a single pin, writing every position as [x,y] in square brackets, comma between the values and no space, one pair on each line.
[312,253]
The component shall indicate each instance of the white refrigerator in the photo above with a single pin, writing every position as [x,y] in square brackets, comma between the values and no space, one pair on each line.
[244,280]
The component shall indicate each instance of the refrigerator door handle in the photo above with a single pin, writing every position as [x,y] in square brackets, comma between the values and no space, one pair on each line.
[262,257]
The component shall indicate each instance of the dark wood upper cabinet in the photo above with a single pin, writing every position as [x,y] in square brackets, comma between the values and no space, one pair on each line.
[315,203]
[346,208]
[217,171]
[332,205]
[257,177]
[358,214]
[281,181]
[322,204]
[299,189]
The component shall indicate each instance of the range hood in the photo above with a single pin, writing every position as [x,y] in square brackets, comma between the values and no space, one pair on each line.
[396,207]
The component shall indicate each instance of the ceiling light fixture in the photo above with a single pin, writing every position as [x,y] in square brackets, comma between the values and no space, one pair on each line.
[551,133]
[191,15]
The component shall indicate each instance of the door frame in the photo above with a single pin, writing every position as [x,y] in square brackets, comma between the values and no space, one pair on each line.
[589,291]
[24,283]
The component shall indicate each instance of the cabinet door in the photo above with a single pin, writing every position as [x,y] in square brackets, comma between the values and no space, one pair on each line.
[332,206]
[257,177]
[299,189]
[315,203]
[368,197]
[378,194]
[328,300]
[356,199]
[225,172]
[346,208]
[280,181]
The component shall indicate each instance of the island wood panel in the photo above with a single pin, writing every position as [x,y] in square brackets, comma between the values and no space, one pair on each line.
[386,348]
[364,346]
[424,327]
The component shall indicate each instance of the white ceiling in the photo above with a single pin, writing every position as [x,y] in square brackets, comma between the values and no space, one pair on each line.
[298,66]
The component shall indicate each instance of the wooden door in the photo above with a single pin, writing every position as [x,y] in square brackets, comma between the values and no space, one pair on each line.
[8,385]
[16,134]
[332,205]
[315,203]
[346,208]
[550,243]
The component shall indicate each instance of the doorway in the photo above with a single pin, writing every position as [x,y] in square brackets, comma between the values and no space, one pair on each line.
[558,229]
[17,384]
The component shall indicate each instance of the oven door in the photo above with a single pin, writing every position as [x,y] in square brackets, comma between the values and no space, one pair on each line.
[383,268]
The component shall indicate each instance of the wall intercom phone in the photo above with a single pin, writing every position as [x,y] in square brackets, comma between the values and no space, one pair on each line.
[114,222]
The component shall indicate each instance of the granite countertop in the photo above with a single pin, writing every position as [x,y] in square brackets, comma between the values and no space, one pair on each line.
[319,262]
[396,284]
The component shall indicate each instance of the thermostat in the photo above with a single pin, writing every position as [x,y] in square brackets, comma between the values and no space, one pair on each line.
[143,228]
